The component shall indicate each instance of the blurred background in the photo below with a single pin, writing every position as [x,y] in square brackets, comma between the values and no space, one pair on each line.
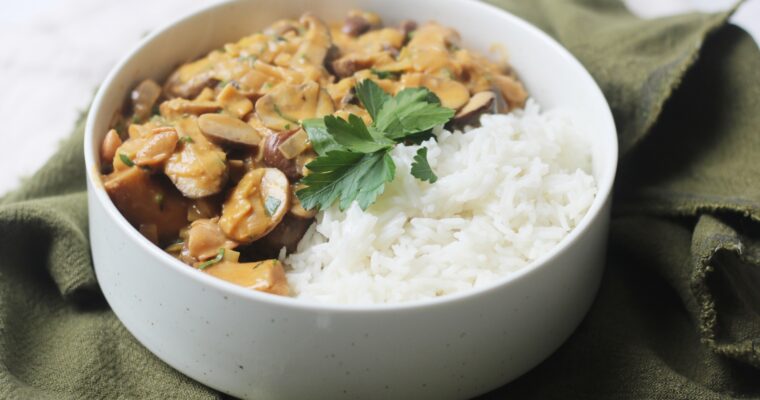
[54,53]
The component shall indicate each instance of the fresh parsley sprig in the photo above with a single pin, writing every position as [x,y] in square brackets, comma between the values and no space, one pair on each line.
[354,161]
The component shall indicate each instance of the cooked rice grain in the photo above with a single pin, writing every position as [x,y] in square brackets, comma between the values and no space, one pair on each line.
[507,193]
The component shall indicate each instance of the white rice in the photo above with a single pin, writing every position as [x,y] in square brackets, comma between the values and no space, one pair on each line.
[507,193]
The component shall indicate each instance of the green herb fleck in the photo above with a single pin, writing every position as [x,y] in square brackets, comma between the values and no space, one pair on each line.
[125,159]
[266,85]
[421,168]
[385,74]
[186,139]
[219,257]
[304,57]
[272,204]
[354,161]
[135,119]
[283,116]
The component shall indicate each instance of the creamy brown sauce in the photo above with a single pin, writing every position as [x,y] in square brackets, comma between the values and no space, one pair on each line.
[206,165]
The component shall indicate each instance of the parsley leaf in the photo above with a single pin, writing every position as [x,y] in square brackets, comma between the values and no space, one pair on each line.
[372,97]
[346,176]
[354,135]
[354,161]
[320,139]
[411,111]
[420,167]
[385,74]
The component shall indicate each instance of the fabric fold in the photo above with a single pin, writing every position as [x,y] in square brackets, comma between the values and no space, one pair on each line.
[678,312]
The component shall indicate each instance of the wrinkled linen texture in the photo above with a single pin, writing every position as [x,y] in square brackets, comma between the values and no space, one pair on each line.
[678,312]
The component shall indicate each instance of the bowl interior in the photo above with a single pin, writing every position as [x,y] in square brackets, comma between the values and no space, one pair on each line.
[552,76]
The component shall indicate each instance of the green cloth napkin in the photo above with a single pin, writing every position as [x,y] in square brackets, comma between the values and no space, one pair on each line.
[678,313]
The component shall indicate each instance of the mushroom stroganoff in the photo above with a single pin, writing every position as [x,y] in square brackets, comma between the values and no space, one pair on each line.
[231,159]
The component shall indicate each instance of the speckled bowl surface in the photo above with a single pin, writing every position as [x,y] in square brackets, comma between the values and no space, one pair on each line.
[254,345]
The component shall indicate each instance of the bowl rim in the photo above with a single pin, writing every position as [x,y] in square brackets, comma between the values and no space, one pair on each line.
[604,191]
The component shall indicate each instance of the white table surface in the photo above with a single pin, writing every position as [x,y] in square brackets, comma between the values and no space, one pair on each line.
[53,53]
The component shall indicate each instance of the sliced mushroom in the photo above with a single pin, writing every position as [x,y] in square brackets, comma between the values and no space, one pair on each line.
[144,200]
[282,27]
[428,50]
[297,210]
[205,208]
[125,153]
[286,105]
[150,231]
[144,97]
[355,25]
[479,103]
[512,90]
[234,102]
[108,148]
[207,94]
[295,144]
[257,204]
[451,93]
[205,238]
[360,112]
[316,42]
[287,235]
[265,276]
[351,63]
[178,107]
[273,157]
[144,130]
[198,168]
[190,79]
[157,148]
[220,127]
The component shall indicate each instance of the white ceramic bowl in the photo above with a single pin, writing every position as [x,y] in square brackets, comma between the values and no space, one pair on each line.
[255,345]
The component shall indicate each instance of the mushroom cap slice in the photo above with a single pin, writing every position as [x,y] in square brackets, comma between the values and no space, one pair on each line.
[224,128]
[274,157]
[110,145]
[479,103]
[265,276]
[157,148]
[190,79]
[144,200]
[512,90]
[198,168]
[257,204]
[144,96]
[452,94]
[204,239]
[287,235]
[285,106]
[316,41]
